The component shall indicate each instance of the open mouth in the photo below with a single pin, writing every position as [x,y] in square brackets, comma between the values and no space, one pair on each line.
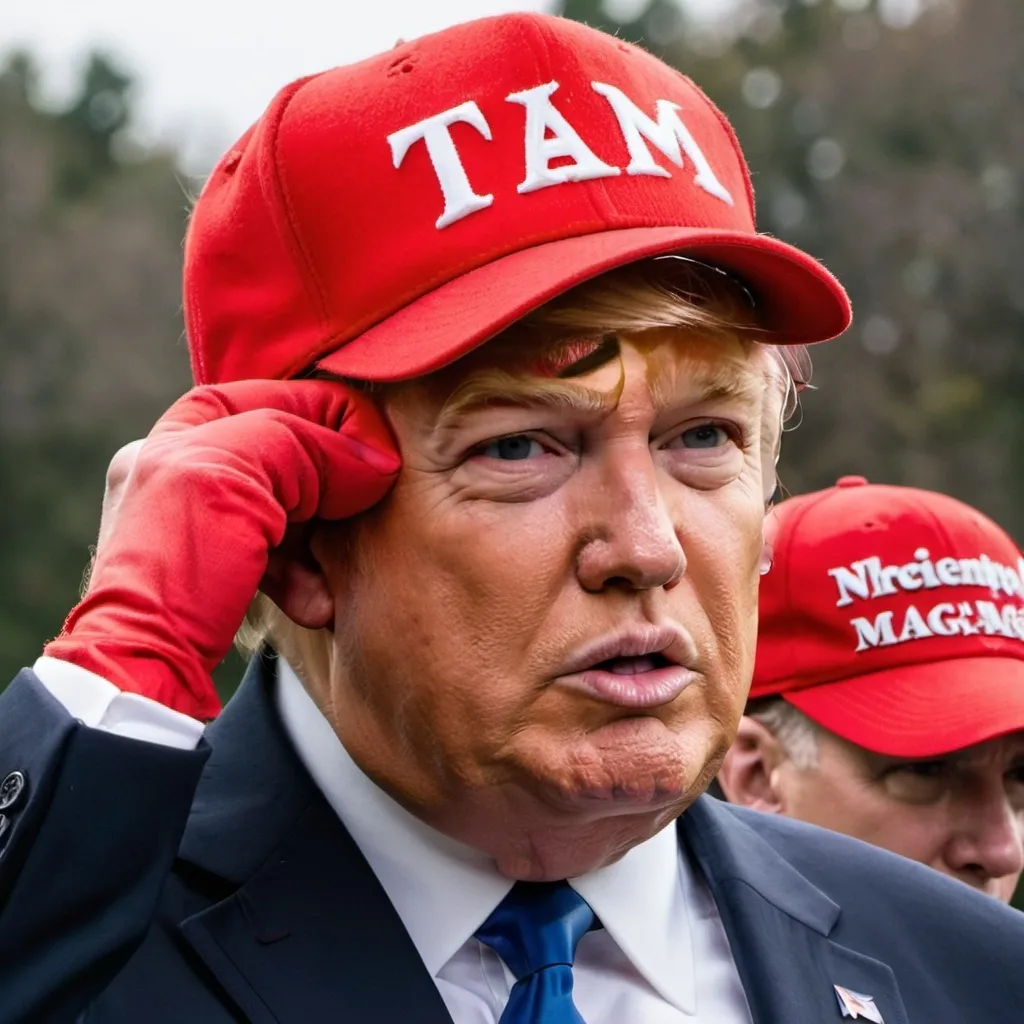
[633,666]
[632,680]
[641,667]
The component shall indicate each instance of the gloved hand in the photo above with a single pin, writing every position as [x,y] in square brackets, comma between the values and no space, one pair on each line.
[118,473]
[220,478]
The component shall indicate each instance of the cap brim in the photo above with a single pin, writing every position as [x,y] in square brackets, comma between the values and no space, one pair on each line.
[798,300]
[921,710]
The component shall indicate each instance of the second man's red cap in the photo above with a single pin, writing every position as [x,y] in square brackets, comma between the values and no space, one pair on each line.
[893,617]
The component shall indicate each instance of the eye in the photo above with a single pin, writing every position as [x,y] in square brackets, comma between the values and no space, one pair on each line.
[513,448]
[919,782]
[925,769]
[706,435]
[1014,784]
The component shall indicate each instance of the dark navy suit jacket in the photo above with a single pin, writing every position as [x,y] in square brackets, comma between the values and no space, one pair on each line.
[144,885]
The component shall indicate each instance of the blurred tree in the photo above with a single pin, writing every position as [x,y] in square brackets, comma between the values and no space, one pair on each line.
[884,136]
[90,329]
[91,125]
[22,76]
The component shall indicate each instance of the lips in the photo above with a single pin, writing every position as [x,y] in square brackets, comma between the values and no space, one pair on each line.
[642,667]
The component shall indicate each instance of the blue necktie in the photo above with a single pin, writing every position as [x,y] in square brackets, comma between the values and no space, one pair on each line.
[535,930]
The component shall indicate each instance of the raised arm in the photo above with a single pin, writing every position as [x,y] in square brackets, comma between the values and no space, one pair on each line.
[100,748]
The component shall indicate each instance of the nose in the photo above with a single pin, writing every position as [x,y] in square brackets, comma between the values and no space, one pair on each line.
[988,843]
[633,542]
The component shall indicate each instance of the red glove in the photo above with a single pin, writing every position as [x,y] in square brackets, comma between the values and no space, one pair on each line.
[218,481]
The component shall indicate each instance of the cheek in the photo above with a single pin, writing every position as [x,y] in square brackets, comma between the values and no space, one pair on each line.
[864,811]
[460,592]
[919,833]
[721,536]
[1004,888]
[830,799]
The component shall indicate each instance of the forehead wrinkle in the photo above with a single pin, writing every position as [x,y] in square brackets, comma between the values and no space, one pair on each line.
[488,390]
[701,381]
[699,366]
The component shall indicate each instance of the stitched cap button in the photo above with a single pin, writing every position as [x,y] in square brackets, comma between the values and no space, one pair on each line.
[11,789]
[851,481]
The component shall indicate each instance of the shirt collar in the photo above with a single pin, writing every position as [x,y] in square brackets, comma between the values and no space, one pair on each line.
[643,901]
[444,890]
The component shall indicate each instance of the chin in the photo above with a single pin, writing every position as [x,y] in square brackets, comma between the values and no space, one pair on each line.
[570,845]
[630,766]
[571,804]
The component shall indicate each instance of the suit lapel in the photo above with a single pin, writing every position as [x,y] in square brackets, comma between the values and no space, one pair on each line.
[778,925]
[309,933]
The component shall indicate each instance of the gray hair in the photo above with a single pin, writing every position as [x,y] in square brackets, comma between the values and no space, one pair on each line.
[796,733]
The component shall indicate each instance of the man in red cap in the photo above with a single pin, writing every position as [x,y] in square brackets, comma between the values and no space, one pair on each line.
[493,366]
[888,693]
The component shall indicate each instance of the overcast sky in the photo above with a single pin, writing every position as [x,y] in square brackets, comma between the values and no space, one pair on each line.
[207,68]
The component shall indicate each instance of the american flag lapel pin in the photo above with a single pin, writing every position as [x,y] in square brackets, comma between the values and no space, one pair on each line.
[857,1005]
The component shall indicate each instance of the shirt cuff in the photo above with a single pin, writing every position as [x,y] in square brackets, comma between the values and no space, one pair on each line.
[97,703]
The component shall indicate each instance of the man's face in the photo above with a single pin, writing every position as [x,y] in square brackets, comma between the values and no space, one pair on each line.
[962,814]
[544,635]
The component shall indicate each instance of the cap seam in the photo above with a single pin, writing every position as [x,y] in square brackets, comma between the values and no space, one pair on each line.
[787,532]
[194,318]
[312,283]
[736,148]
[795,522]
[546,68]
[589,194]
[939,524]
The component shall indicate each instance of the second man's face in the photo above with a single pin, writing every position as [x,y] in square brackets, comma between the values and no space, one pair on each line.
[961,813]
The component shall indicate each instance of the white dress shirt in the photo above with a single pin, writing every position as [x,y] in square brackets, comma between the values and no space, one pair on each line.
[662,956]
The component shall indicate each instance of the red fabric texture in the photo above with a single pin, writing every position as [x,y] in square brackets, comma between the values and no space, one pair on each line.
[922,659]
[220,478]
[922,710]
[308,241]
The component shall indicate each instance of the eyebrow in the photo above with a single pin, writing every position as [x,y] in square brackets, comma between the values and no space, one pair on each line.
[525,393]
[566,396]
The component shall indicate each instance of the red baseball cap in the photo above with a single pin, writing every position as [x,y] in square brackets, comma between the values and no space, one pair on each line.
[382,219]
[893,617]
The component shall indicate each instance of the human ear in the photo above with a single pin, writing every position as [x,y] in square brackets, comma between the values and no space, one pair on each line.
[749,774]
[295,580]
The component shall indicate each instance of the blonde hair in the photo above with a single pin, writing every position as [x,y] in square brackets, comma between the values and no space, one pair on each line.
[555,342]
